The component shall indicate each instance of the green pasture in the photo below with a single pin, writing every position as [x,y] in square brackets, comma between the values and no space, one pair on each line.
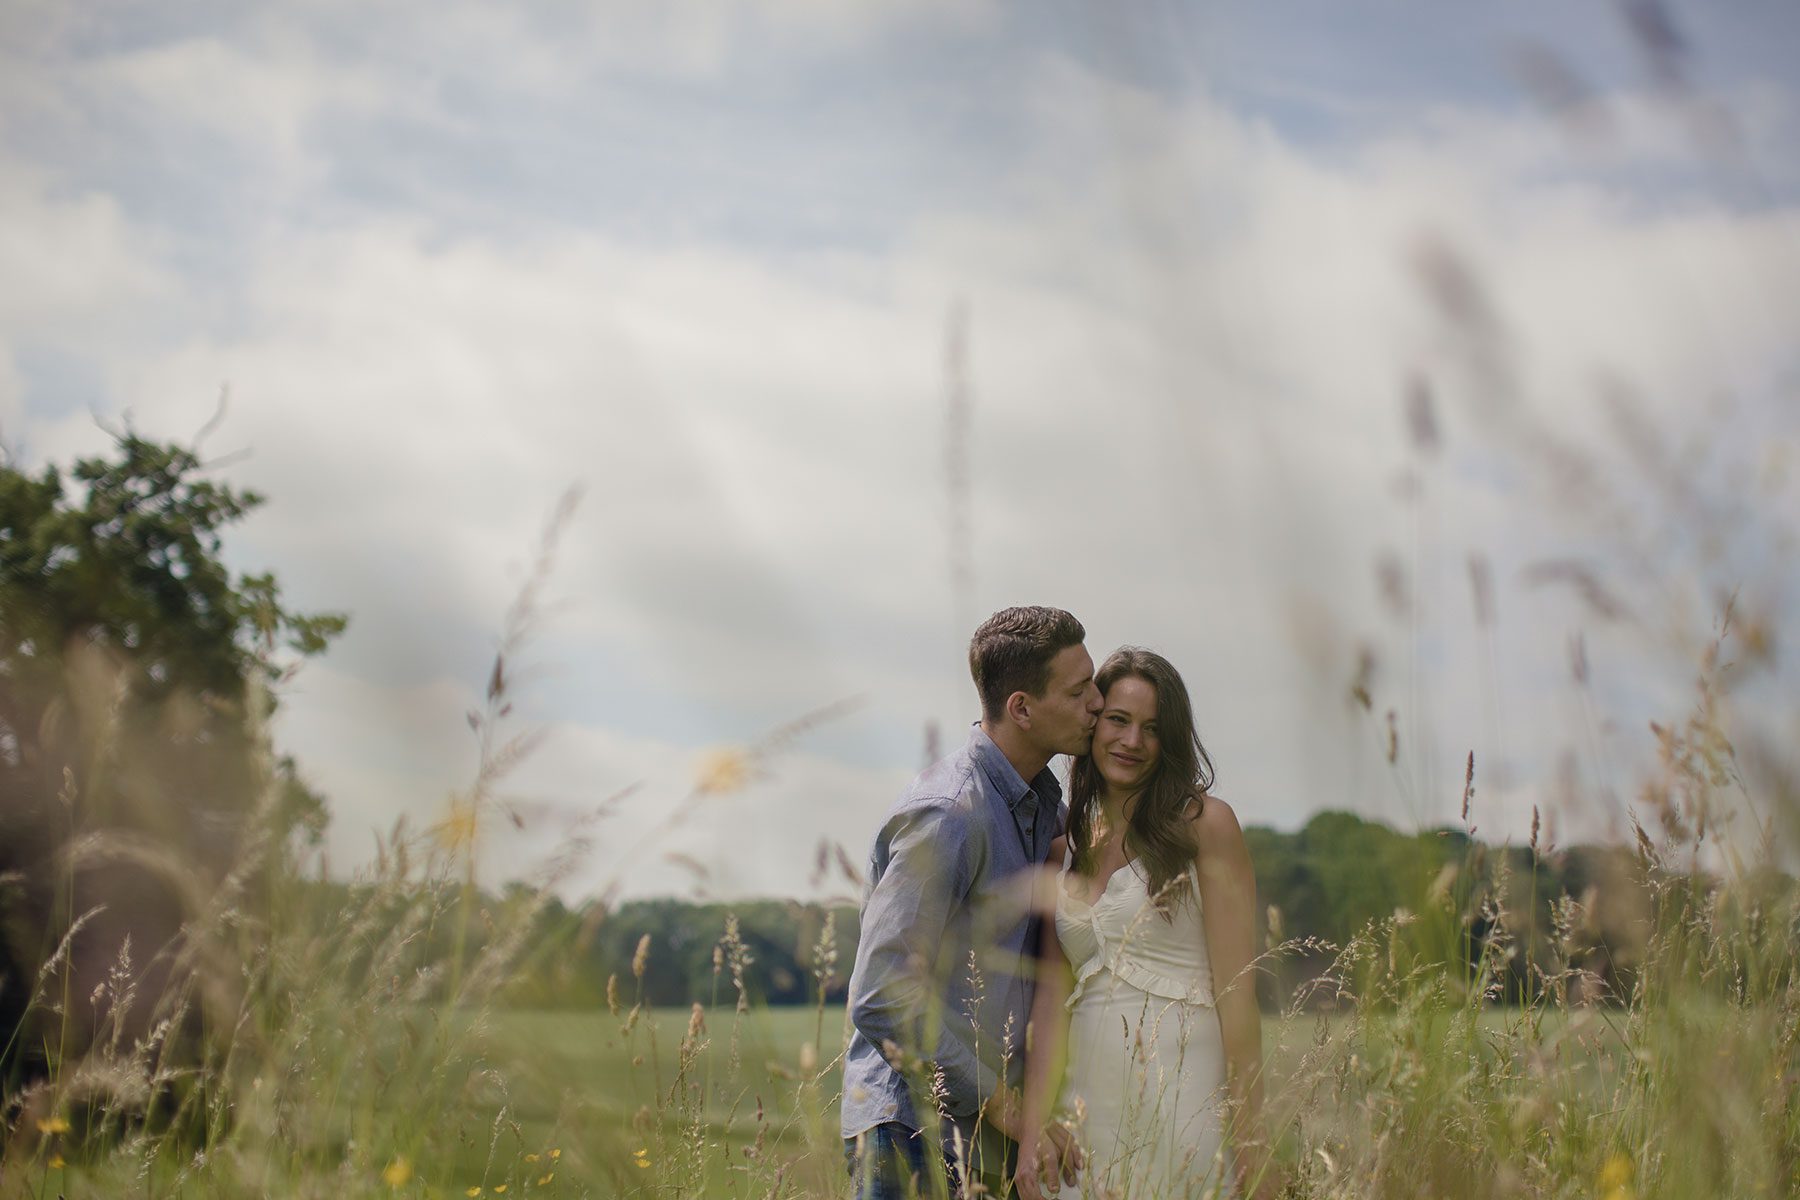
[582,1083]
[577,1081]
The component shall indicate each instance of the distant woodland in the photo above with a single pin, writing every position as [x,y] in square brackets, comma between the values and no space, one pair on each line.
[1340,876]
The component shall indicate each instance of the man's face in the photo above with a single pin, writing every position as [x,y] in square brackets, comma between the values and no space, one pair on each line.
[1063,718]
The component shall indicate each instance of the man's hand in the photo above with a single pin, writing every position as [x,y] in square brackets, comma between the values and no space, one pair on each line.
[1046,1158]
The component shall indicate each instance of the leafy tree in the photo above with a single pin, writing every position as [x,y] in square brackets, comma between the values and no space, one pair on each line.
[133,673]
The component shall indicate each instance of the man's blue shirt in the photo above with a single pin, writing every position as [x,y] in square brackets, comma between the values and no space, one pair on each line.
[946,958]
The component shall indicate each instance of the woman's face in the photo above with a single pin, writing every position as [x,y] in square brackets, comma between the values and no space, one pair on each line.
[1126,747]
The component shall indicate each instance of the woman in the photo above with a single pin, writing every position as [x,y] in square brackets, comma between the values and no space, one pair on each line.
[1150,957]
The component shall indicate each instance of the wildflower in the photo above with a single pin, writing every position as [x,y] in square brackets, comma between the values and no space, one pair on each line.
[531,1158]
[1615,1178]
[723,770]
[396,1173]
[456,831]
[546,1177]
[53,1125]
[641,1157]
[555,1154]
[499,1189]
[472,1192]
[57,1162]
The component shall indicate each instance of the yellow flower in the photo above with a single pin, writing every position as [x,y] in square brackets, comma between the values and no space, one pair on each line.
[499,1189]
[642,1157]
[726,769]
[53,1125]
[456,831]
[472,1192]
[546,1178]
[396,1173]
[555,1154]
[531,1158]
[57,1163]
[1615,1178]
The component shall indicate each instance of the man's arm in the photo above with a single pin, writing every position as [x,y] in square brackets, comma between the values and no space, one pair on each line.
[896,996]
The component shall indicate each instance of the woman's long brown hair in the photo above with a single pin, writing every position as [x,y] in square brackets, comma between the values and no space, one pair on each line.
[1160,834]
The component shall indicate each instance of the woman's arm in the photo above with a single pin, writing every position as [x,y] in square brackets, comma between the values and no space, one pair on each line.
[1228,908]
[1045,1036]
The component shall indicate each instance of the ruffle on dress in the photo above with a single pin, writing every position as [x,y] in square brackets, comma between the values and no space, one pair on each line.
[1166,959]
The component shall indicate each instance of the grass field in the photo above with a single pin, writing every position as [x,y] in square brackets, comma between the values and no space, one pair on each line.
[582,1085]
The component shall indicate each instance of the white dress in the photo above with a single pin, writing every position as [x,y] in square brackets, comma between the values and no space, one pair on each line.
[1146,1076]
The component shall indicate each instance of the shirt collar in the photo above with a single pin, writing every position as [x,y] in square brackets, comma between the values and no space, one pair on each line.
[1013,789]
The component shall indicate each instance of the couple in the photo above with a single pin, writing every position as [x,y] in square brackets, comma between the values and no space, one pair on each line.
[968,1006]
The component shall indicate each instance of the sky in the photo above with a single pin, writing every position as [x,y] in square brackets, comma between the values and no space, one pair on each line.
[1318,346]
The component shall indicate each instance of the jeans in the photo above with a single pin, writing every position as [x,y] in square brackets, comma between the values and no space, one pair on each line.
[889,1162]
[894,1162]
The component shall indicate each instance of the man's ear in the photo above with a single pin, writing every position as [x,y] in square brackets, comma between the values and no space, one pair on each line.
[1018,708]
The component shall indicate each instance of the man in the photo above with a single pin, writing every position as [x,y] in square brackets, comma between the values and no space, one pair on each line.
[945,965]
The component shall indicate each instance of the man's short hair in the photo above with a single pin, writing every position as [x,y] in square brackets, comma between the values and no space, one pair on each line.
[1012,649]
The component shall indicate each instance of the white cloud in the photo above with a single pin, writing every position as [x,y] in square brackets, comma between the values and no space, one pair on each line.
[263,100]
[72,261]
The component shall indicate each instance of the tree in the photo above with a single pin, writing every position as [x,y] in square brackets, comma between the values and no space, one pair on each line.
[134,671]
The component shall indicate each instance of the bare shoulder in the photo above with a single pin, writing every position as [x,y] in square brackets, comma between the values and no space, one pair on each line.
[1219,837]
[1217,817]
[1059,847]
[1212,815]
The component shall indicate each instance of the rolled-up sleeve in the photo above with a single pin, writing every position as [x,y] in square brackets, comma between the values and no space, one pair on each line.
[895,985]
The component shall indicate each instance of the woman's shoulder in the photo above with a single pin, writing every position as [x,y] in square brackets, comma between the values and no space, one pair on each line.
[1215,824]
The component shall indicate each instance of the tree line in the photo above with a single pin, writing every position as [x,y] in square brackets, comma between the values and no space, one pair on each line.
[1579,913]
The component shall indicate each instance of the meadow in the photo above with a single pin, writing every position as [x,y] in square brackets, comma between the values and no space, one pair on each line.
[579,1088]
